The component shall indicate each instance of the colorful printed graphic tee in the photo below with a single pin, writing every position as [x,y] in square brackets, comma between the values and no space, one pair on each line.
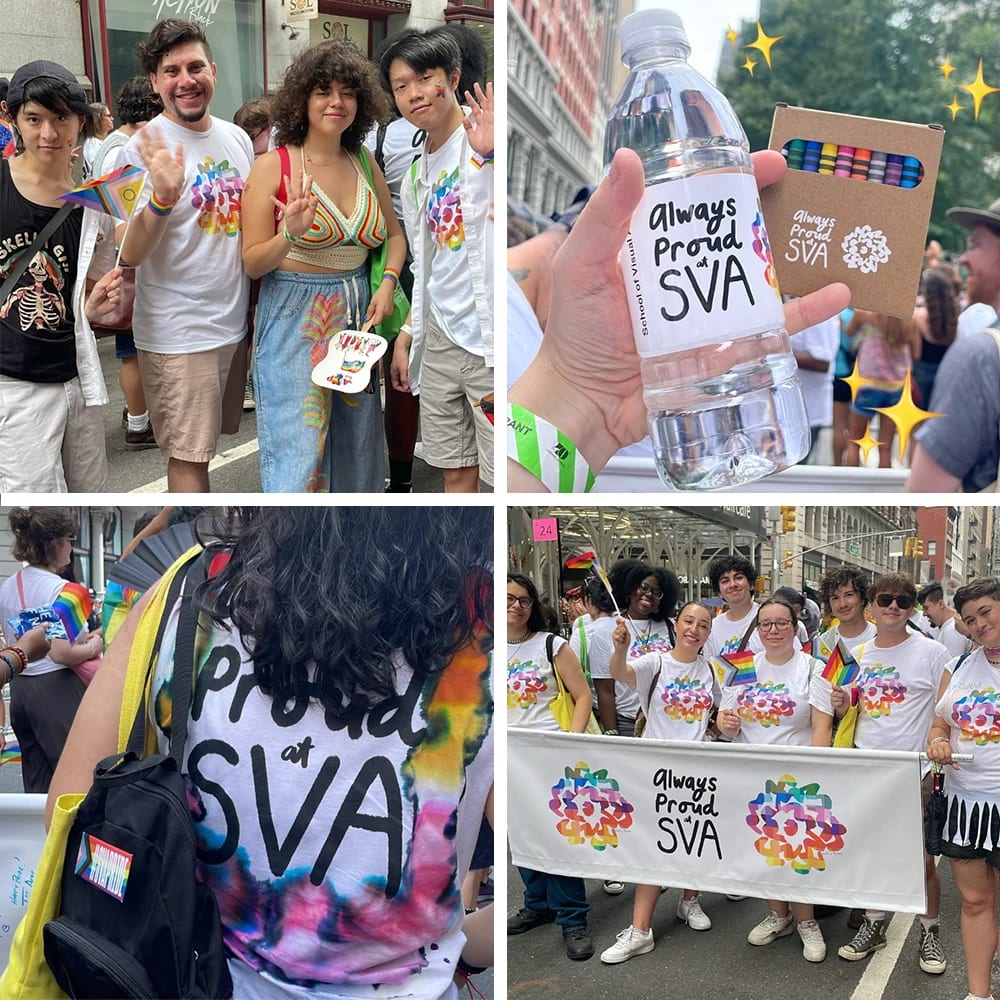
[828,640]
[335,848]
[776,710]
[680,707]
[726,634]
[531,683]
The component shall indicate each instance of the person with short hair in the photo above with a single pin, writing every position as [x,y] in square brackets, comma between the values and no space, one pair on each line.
[185,240]
[844,592]
[256,117]
[733,577]
[944,620]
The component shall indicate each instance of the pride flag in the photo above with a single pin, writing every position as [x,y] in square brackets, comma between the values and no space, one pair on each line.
[11,754]
[583,561]
[841,668]
[73,606]
[114,194]
[734,668]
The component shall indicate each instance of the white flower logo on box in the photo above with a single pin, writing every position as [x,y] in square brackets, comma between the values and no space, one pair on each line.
[865,248]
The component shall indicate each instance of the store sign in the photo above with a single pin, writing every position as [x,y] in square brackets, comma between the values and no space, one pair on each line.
[302,10]
[331,27]
[742,518]
[202,11]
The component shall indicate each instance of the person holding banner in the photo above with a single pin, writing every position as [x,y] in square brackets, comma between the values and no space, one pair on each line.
[900,676]
[788,703]
[677,693]
[533,659]
[844,592]
[964,719]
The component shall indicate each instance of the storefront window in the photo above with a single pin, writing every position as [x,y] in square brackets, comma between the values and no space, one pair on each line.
[235,30]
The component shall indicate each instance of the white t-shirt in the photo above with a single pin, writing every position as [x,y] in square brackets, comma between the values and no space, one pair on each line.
[449,288]
[776,710]
[191,292]
[821,341]
[975,318]
[829,639]
[681,705]
[952,640]
[531,682]
[401,145]
[41,588]
[600,646]
[898,688]
[727,634]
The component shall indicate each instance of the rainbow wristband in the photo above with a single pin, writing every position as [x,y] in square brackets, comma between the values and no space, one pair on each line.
[480,161]
[158,208]
[546,452]
[392,275]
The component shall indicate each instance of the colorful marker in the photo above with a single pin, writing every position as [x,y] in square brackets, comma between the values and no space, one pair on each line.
[810,162]
[876,169]
[859,166]
[893,169]
[827,158]
[795,151]
[845,157]
[912,172]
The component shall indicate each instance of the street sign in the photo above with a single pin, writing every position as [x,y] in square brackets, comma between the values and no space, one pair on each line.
[545,529]
[855,550]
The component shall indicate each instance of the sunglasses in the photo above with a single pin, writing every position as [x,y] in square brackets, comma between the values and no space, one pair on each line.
[902,602]
[523,602]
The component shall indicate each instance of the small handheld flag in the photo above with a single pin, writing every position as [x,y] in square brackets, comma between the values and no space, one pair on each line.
[11,754]
[583,561]
[841,668]
[73,606]
[114,194]
[734,668]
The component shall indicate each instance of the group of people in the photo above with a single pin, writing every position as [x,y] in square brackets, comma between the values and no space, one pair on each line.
[312,219]
[362,636]
[619,666]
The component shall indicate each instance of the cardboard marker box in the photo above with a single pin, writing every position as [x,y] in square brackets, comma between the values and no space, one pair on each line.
[869,235]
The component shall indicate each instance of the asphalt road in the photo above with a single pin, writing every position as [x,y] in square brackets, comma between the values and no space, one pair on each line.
[720,965]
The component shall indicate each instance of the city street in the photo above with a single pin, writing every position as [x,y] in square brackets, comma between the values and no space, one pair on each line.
[692,965]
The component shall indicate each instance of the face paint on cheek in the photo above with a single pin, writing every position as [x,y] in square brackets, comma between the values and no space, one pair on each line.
[439,88]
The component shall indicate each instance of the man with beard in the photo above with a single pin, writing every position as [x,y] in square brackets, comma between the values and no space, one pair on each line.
[185,238]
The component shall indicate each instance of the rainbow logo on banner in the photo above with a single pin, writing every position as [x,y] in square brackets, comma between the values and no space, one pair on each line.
[734,668]
[841,667]
[73,606]
[114,194]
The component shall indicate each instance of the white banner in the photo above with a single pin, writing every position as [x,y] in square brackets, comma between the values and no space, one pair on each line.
[22,820]
[806,824]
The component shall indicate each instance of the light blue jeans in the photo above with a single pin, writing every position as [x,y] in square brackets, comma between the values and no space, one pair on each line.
[312,440]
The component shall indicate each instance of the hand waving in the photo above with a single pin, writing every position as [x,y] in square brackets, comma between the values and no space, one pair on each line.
[166,168]
[300,209]
[479,125]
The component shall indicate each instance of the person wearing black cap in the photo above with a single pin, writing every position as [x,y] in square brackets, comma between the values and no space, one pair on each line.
[961,450]
[51,388]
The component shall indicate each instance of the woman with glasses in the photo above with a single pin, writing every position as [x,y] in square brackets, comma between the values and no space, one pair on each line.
[45,696]
[787,705]
[533,657]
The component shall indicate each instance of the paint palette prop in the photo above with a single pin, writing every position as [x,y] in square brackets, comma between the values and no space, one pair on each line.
[348,364]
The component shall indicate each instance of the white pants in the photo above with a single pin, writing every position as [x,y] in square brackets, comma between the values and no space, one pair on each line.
[50,442]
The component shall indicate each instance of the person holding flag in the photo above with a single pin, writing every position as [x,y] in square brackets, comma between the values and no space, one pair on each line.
[56,277]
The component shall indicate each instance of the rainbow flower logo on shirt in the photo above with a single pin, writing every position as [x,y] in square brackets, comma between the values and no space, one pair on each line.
[977,715]
[880,689]
[654,643]
[590,807]
[444,212]
[765,703]
[524,684]
[217,195]
[686,699]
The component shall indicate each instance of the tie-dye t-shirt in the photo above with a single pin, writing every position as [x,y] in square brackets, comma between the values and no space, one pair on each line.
[531,682]
[680,707]
[776,710]
[335,848]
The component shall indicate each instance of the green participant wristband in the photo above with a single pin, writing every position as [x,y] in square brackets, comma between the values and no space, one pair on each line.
[546,452]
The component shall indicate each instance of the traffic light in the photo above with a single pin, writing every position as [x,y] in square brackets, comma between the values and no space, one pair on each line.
[918,548]
[787,519]
[908,547]
[788,558]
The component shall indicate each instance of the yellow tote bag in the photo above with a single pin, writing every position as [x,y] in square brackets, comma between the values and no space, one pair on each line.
[844,737]
[27,976]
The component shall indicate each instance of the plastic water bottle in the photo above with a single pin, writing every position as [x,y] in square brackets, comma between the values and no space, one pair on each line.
[720,381]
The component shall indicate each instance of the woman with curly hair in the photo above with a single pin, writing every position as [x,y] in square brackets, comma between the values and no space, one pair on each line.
[317,218]
[339,747]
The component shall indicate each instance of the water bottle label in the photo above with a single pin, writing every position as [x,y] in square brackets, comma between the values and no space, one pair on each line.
[698,264]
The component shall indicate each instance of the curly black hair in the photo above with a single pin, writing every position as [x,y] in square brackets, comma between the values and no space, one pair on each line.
[667,581]
[137,102]
[345,588]
[843,576]
[319,66]
[730,563]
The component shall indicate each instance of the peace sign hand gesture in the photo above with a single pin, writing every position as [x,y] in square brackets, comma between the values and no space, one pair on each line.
[479,125]
[300,209]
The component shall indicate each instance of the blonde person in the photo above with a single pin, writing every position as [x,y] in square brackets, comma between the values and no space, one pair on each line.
[531,689]
[678,693]
[316,211]
[787,675]
[972,848]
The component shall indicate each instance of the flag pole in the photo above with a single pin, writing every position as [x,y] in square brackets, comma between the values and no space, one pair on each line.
[128,221]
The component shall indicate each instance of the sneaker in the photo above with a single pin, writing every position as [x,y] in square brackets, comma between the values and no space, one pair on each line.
[526,920]
[249,403]
[813,945]
[125,418]
[629,943]
[578,943]
[870,938]
[771,928]
[690,911]
[932,958]
[855,919]
[138,440]
[734,897]
[613,887]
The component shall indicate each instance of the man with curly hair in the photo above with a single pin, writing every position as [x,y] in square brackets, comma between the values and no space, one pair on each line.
[844,593]
[185,239]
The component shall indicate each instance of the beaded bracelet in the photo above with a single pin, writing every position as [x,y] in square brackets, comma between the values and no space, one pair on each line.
[543,449]
[19,653]
[158,208]
[392,275]
[289,238]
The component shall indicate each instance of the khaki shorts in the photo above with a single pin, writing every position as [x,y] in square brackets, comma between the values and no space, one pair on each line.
[456,434]
[193,398]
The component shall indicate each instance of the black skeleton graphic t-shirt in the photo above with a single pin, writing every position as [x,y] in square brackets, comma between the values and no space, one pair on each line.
[36,319]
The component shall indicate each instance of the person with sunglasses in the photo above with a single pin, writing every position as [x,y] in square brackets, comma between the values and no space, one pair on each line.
[532,686]
[789,704]
[896,691]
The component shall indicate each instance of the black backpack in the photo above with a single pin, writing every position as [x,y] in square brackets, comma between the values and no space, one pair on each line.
[134,920]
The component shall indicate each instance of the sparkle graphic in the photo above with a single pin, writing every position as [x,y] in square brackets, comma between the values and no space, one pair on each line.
[946,67]
[979,88]
[763,43]
[905,414]
[955,107]
[590,807]
[749,64]
[866,443]
[856,380]
[731,36]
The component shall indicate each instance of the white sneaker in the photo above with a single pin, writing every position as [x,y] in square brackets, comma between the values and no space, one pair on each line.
[630,943]
[734,897]
[813,945]
[613,887]
[771,928]
[690,911]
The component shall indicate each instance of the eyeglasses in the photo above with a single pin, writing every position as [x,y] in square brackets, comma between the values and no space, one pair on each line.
[71,539]
[648,591]
[779,624]
[902,601]
[521,602]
